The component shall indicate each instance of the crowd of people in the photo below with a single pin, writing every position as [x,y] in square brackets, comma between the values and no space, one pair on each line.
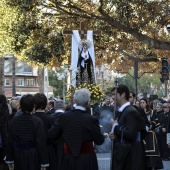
[41,134]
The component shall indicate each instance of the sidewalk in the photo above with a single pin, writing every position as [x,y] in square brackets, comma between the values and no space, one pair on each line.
[104,162]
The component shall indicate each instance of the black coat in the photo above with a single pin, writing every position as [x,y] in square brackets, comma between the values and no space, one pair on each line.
[51,111]
[4,133]
[48,122]
[26,144]
[168,128]
[76,127]
[58,143]
[128,154]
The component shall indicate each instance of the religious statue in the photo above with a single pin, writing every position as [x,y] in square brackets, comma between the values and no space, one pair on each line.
[85,64]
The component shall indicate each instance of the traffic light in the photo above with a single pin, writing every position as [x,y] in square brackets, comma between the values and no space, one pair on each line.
[162,80]
[165,69]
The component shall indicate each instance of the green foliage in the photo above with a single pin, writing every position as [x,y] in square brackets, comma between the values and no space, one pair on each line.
[108,91]
[144,84]
[132,26]
[23,5]
[21,31]
[27,36]
[55,83]
[42,52]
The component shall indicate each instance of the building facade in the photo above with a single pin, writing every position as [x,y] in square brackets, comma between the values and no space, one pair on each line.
[24,76]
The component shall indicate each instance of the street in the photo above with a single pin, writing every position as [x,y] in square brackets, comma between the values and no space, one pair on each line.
[104,162]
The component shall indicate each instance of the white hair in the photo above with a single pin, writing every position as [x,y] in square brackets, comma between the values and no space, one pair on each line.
[59,104]
[82,96]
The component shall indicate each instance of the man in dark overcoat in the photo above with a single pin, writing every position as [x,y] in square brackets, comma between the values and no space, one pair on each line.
[80,130]
[104,113]
[128,151]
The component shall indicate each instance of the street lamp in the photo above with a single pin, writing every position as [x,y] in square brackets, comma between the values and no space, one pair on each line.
[110,75]
[101,74]
[62,77]
[66,73]
[102,70]
[73,73]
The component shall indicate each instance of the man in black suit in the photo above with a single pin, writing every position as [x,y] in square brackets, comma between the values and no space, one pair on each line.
[146,124]
[104,113]
[79,130]
[59,108]
[50,107]
[128,149]
[168,133]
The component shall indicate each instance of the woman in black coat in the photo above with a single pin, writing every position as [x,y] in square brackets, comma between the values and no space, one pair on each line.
[26,144]
[40,105]
[4,113]
[152,155]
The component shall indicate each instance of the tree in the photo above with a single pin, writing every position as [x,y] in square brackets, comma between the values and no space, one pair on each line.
[136,27]
[55,83]
[146,83]
[27,36]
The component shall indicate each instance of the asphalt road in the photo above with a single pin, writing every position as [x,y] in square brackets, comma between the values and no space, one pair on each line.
[104,162]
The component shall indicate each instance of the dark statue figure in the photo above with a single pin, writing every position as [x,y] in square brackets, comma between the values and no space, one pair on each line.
[85,66]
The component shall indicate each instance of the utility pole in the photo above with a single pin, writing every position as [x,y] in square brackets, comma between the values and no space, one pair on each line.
[2,75]
[136,76]
[136,69]
[13,76]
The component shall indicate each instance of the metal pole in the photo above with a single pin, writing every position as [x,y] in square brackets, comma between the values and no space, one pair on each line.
[44,81]
[47,82]
[2,89]
[71,89]
[13,76]
[102,81]
[63,90]
[136,76]
[115,108]
[166,88]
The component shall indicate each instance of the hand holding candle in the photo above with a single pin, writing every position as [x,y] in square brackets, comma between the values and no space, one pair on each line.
[91,111]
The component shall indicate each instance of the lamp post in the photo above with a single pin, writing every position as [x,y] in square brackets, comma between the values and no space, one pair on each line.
[102,69]
[73,72]
[63,77]
[101,73]
[12,62]
[2,75]
[68,78]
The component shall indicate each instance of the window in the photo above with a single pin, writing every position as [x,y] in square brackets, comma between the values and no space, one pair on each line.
[28,69]
[21,81]
[30,82]
[24,68]
[20,68]
[6,82]
[7,67]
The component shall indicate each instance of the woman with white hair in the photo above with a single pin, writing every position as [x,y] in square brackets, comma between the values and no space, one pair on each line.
[79,130]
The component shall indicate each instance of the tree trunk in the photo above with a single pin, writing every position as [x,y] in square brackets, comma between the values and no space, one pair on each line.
[41,80]
[2,60]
